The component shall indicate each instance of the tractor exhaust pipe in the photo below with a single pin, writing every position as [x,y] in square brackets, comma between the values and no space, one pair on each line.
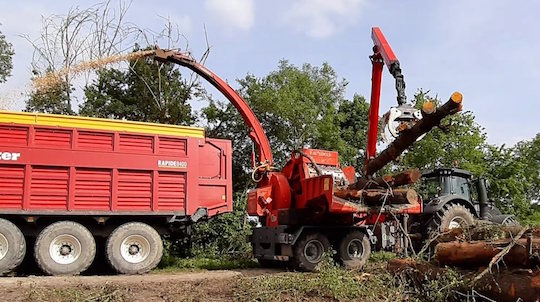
[481,187]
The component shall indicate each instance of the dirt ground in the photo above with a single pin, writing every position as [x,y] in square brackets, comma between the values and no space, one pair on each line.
[216,285]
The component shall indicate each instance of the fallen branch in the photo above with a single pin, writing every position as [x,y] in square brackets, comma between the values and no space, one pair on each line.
[500,255]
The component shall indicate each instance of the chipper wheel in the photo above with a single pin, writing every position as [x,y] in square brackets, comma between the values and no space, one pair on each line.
[449,217]
[64,248]
[12,247]
[309,251]
[354,250]
[134,248]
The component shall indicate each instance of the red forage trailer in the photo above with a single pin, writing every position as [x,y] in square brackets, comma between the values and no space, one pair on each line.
[67,179]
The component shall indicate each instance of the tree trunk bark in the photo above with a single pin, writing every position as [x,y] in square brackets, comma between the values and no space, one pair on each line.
[378,196]
[401,179]
[480,253]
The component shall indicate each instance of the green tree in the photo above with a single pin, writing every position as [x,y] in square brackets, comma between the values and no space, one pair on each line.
[507,174]
[147,91]
[528,154]
[53,100]
[353,126]
[298,107]
[6,56]
[459,141]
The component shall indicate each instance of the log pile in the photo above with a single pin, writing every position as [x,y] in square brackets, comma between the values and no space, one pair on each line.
[499,262]
[374,192]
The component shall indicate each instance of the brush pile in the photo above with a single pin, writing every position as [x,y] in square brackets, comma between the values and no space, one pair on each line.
[495,263]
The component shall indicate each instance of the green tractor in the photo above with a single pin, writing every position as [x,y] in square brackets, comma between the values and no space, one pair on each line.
[454,198]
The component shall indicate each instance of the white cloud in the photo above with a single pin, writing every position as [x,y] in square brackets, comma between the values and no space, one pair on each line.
[323,18]
[239,14]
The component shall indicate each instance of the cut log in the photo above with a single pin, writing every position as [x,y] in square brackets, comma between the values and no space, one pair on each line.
[428,108]
[480,253]
[486,231]
[401,179]
[517,285]
[378,196]
[409,136]
[512,285]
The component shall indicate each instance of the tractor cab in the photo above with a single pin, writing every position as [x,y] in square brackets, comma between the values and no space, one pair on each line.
[442,187]
[448,181]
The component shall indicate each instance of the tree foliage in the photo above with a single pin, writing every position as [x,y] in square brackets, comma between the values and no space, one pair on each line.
[6,58]
[147,91]
[54,100]
[460,141]
[298,107]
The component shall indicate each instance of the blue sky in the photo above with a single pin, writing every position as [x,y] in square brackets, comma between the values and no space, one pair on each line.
[488,50]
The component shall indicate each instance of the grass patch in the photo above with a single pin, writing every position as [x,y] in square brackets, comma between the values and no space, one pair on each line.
[106,293]
[171,263]
[381,256]
[332,283]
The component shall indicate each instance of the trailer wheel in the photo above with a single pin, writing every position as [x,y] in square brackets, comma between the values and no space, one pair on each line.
[64,248]
[450,217]
[354,250]
[134,248]
[309,251]
[12,246]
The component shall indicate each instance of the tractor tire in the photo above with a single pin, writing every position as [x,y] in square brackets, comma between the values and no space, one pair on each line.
[64,248]
[134,248]
[449,217]
[309,251]
[354,250]
[12,247]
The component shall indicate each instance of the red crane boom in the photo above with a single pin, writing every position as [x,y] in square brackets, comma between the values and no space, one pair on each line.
[256,133]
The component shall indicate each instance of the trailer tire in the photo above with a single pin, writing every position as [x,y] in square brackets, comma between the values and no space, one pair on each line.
[449,217]
[12,246]
[309,251]
[134,248]
[64,248]
[354,250]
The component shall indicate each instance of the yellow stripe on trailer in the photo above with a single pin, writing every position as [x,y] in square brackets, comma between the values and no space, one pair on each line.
[68,121]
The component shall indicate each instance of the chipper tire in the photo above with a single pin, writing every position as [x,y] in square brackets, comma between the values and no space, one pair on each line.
[451,216]
[12,247]
[134,248]
[64,248]
[354,250]
[309,251]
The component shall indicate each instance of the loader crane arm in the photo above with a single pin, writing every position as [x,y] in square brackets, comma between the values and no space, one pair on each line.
[404,113]
[256,133]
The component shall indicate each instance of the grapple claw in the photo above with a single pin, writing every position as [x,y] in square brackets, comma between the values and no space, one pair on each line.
[400,118]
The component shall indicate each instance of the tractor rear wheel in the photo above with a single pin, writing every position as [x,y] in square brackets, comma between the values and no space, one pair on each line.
[449,217]
[354,250]
[309,251]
